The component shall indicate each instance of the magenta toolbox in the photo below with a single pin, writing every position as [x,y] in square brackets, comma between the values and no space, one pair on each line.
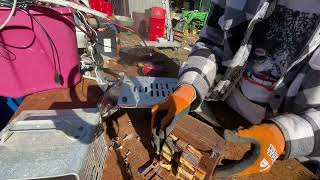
[38,51]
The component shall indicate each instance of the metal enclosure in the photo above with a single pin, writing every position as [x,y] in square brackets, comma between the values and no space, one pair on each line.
[53,144]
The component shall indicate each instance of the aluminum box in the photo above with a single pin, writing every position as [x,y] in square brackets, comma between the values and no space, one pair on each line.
[53,144]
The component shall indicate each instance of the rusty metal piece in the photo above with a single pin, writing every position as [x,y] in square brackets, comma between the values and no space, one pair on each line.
[151,171]
[127,137]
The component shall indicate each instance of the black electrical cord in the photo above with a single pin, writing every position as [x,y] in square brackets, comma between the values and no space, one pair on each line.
[57,75]
[22,5]
[87,26]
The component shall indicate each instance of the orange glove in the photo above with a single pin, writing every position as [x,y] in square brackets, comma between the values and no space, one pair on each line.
[166,114]
[267,144]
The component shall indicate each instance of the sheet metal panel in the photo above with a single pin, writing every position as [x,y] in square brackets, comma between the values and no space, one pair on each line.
[140,5]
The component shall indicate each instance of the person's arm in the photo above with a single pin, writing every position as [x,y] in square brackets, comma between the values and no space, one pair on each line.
[195,78]
[200,68]
[289,135]
[301,133]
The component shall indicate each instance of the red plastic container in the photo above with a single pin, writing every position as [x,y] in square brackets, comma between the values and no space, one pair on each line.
[102,6]
[93,4]
[26,56]
[107,8]
[157,23]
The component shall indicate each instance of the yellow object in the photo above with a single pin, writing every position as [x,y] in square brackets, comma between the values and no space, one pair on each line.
[140,65]
[186,33]
[166,153]
[186,163]
[173,137]
[166,166]
[182,174]
[166,156]
[200,174]
[194,151]
[166,149]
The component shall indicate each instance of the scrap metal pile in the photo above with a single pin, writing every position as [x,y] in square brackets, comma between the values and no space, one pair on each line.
[180,158]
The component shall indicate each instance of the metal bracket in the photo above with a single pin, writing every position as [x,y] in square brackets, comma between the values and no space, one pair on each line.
[143,91]
[136,92]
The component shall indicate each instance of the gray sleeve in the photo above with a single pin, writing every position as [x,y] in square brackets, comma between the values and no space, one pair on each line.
[200,68]
[301,132]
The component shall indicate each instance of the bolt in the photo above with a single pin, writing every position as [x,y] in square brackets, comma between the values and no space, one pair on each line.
[128,152]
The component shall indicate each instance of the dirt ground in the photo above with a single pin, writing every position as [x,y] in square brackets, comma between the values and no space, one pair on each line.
[180,54]
[289,169]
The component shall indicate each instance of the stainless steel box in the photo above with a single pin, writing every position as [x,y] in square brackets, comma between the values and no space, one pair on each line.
[53,144]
